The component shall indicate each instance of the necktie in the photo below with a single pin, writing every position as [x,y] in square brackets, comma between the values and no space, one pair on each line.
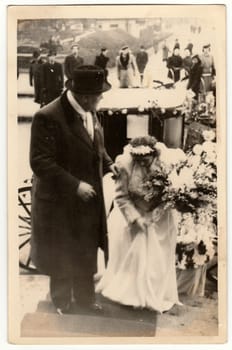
[88,123]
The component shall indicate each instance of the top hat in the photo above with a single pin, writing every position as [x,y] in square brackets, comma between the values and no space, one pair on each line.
[89,80]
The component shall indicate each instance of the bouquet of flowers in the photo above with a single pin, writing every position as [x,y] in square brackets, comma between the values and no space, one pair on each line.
[188,183]
[185,182]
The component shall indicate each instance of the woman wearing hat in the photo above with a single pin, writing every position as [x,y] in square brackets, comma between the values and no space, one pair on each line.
[142,235]
[126,68]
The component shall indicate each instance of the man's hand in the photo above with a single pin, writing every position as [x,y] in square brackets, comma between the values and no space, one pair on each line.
[85,191]
[114,170]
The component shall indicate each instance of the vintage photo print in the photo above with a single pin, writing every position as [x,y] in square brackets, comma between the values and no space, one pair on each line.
[116,174]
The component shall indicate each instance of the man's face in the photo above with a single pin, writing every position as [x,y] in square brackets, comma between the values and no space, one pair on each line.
[92,101]
[187,53]
[125,52]
[51,59]
[194,60]
[206,51]
[75,50]
[176,52]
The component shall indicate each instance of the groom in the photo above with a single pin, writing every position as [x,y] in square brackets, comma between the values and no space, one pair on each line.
[67,156]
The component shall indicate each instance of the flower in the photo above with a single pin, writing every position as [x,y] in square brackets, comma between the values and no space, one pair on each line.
[209,146]
[186,177]
[210,157]
[208,135]
[141,150]
[195,243]
[124,111]
[172,157]
[194,161]
[197,149]
[175,180]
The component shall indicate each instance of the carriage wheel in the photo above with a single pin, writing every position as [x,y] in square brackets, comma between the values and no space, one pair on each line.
[24,226]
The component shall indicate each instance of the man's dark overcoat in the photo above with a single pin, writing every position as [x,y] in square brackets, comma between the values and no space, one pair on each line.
[66,231]
[141,60]
[52,81]
[70,64]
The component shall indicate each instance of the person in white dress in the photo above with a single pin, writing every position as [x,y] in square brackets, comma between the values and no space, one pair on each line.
[142,236]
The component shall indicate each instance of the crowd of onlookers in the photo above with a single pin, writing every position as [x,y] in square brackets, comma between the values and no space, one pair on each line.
[47,75]
[199,69]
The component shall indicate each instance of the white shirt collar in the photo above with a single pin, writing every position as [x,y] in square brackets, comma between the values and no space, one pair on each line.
[75,104]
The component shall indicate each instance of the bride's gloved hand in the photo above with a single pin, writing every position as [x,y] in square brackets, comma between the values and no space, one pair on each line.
[140,225]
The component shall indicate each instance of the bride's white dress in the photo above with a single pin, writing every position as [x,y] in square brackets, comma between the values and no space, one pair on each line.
[141,269]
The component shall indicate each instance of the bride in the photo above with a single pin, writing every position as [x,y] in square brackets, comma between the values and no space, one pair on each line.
[142,236]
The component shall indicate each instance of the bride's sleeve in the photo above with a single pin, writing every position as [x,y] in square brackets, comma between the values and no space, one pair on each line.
[122,196]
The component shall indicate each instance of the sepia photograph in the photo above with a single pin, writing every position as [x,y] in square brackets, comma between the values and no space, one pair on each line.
[116,174]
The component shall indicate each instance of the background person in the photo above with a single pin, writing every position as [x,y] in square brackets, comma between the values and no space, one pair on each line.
[165,50]
[195,74]
[174,63]
[35,71]
[208,68]
[187,60]
[102,60]
[71,63]
[126,68]
[52,79]
[141,60]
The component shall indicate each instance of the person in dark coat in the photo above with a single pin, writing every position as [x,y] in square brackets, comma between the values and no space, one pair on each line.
[102,60]
[190,47]
[187,61]
[35,71]
[141,60]
[174,63]
[176,45]
[195,74]
[72,62]
[67,156]
[52,79]
[165,50]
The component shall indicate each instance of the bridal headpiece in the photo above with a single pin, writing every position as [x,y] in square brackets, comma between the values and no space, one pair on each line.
[142,146]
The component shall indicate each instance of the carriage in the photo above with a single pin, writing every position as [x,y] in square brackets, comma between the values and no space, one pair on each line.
[124,114]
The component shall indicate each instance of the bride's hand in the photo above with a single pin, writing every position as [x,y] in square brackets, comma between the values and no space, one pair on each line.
[140,224]
[158,212]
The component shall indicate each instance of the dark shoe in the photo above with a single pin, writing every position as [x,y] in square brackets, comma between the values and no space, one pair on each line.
[93,308]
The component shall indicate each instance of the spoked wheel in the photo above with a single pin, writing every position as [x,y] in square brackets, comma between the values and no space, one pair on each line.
[24,226]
